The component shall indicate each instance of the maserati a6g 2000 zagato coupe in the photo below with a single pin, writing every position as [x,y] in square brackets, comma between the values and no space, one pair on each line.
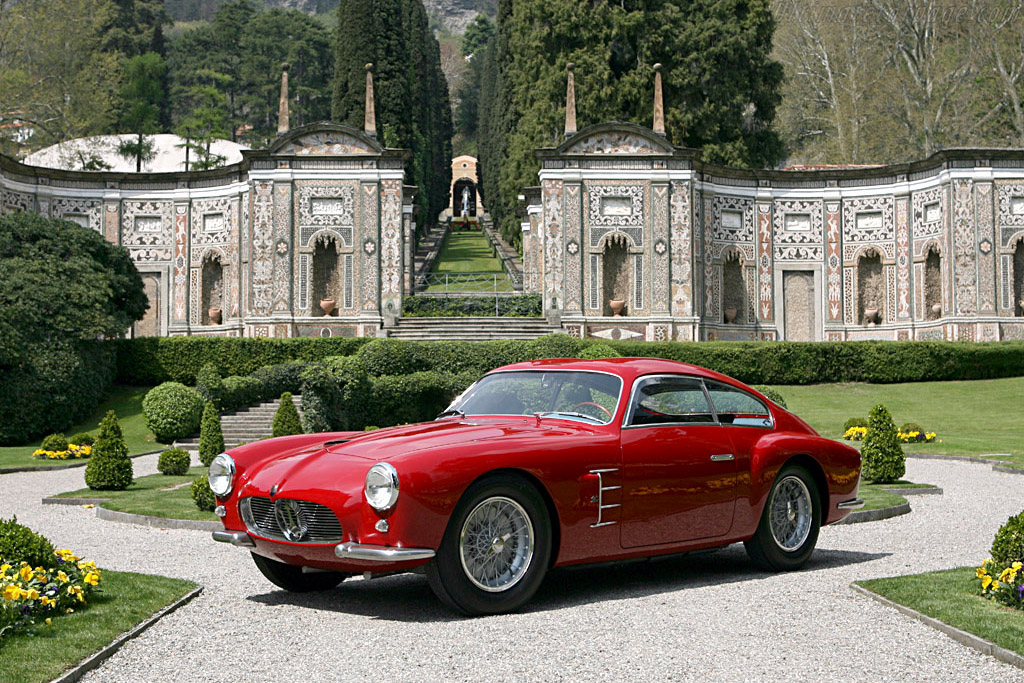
[539,465]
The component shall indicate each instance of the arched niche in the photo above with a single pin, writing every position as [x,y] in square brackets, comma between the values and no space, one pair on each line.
[464,198]
[870,288]
[212,284]
[1018,278]
[734,289]
[933,284]
[327,276]
[616,272]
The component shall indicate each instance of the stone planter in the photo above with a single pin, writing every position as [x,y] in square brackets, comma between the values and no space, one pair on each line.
[730,314]
[328,306]
[871,317]
[617,305]
[215,315]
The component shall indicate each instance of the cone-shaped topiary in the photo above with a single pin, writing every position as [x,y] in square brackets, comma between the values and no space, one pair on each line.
[109,468]
[286,419]
[211,438]
[882,457]
[209,384]
[1008,545]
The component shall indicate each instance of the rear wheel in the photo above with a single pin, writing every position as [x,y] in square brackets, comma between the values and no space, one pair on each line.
[788,530]
[496,549]
[293,579]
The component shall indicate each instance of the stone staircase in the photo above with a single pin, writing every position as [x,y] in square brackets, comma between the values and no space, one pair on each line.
[471,329]
[242,426]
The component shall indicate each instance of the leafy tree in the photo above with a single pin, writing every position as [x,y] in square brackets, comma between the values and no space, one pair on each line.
[143,95]
[882,456]
[211,438]
[477,35]
[134,27]
[109,468]
[286,418]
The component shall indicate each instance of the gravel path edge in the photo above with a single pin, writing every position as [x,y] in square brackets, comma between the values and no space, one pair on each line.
[934,491]
[81,462]
[132,518]
[859,516]
[107,652]
[963,637]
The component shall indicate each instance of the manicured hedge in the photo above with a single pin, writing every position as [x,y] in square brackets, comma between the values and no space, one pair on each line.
[152,360]
[517,305]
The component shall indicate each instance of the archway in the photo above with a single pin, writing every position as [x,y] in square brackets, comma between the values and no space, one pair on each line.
[464,198]
[870,289]
[326,276]
[212,290]
[734,290]
[617,272]
[933,284]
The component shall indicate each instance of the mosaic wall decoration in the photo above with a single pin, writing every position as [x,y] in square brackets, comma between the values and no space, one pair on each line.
[1009,209]
[682,285]
[391,246]
[928,215]
[613,143]
[371,257]
[146,230]
[834,264]
[902,259]
[919,308]
[214,223]
[325,205]
[765,281]
[86,212]
[262,247]
[849,310]
[986,248]
[1006,283]
[801,239]
[710,298]
[552,200]
[733,220]
[660,257]
[180,276]
[573,255]
[282,248]
[965,264]
[327,144]
[595,283]
[615,208]
[869,220]
[638,282]
[16,201]
[303,288]
[245,255]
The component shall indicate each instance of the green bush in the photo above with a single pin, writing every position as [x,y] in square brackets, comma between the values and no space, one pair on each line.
[286,417]
[82,439]
[174,462]
[770,393]
[331,392]
[393,357]
[1008,545]
[109,468]
[238,392]
[520,305]
[211,438]
[854,422]
[210,384]
[202,495]
[908,427]
[172,411]
[597,351]
[554,346]
[55,442]
[18,544]
[882,457]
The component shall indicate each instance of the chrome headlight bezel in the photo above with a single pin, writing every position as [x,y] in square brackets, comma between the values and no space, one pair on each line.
[221,476]
[383,478]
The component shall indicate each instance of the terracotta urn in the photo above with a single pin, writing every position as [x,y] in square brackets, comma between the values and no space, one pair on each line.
[730,314]
[871,316]
[327,305]
[937,310]
[215,315]
[617,305]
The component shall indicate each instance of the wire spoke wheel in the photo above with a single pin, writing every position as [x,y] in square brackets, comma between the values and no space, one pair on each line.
[790,513]
[496,544]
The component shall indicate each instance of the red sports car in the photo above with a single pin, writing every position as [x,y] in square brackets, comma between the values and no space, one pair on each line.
[539,465]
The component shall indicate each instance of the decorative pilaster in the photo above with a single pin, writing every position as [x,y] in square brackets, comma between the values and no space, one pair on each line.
[573,247]
[965,275]
[680,247]
[765,274]
[553,256]
[391,247]
[984,212]
[282,248]
[834,263]
[180,268]
[660,271]
[371,257]
[902,257]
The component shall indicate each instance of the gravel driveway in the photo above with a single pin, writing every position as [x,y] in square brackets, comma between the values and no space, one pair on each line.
[709,616]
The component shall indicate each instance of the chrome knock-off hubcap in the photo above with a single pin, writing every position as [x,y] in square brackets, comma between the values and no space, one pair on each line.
[790,513]
[496,544]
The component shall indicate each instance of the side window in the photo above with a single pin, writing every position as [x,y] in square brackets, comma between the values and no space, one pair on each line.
[737,407]
[669,399]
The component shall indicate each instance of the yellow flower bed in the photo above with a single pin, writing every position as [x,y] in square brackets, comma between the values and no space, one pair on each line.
[28,593]
[1002,584]
[855,433]
[858,434]
[74,452]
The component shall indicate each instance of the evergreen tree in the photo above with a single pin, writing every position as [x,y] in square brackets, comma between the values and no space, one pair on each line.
[211,438]
[109,468]
[883,460]
[142,95]
[286,418]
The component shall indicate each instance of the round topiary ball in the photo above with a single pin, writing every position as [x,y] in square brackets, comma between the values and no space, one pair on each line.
[82,439]
[18,544]
[55,443]
[1008,545]
[854,422]
[174,462]
[172,411]
[202,495]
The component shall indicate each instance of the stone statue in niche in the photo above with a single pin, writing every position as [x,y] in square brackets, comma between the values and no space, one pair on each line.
[465,201]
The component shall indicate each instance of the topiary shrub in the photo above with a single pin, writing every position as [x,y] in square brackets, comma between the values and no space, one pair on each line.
[174,462]
[202,495]
[854,422]
[1008,545]
[109,468]
[286,418]
[211,438]
[556,345]
[172,411]
[597,351]
[18,543]
[55,442]
[882,457]
[771,394]
[908,427]
[82,439]
[209,384]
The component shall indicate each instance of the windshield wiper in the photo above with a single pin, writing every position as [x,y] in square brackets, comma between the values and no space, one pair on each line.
[568,414]
[451,411]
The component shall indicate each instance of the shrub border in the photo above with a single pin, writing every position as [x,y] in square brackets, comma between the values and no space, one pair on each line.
[963,637]
[94,660]
[81,463]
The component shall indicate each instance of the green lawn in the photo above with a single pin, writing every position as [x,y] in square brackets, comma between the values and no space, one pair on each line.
[154,495]
[875,496]
[124,400]
[971,418]
[126,600]
[949,597]
[468,252]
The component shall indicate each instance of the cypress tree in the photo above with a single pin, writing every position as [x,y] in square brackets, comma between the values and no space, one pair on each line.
[211,438]
[286,418]
[883,460]
[109,468]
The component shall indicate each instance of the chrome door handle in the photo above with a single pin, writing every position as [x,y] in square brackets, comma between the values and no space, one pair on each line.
[722,457]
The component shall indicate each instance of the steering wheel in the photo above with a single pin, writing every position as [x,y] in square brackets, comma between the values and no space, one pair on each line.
[596,405]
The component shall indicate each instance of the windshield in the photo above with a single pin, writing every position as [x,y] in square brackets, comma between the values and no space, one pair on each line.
[587,396]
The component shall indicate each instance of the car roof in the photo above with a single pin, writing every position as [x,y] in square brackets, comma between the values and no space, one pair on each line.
[626,368]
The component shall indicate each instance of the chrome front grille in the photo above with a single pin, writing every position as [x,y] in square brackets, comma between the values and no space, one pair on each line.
[320,524]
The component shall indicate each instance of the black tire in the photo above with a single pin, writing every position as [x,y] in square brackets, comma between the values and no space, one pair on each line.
[458,576]
[293,579]
[769,552]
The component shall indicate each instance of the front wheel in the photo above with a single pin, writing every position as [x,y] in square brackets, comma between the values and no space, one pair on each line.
[293,579]
[788,531]
[495,550]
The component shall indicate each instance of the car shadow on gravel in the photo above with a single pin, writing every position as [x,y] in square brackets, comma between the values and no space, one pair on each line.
[408,598]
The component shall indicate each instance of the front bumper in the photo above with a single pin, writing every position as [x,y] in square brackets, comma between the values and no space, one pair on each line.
[345,551]
[855,504]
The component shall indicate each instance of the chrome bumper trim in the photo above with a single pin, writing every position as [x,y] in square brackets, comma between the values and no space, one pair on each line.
[238,538]
[855,504]
[380,553]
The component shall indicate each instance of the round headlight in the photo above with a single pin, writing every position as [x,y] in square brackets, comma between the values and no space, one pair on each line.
[222,475]
[381,488]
